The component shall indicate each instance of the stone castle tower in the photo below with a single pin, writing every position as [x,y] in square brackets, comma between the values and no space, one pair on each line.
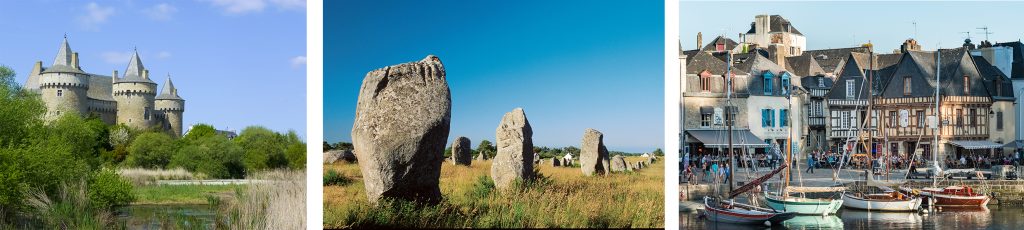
[130,99]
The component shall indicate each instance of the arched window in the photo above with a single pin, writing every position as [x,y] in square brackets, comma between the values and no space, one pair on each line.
[705,81]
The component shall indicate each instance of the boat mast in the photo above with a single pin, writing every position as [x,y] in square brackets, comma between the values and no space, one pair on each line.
[935,131]
[871,93]
[728,102]
[789,140]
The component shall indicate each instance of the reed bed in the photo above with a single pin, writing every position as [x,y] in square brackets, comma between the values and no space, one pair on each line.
[144,176]
[561,197]
[277,201]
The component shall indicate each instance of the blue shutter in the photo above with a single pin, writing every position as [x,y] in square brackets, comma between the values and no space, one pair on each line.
[767,83]
[773,118]
[785,83]
[764,118]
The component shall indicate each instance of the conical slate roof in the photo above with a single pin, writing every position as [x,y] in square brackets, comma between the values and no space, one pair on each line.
[135,70]
[169,92]
[63,62]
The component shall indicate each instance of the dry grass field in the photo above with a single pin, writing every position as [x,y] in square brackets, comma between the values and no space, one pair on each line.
[563,197]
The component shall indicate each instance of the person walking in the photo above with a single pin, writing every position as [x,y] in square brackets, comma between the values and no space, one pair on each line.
[810,164]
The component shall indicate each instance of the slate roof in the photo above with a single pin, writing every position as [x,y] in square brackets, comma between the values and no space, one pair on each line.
[705,61]
[777,24]
[991,76]
[811,82]
[831,60]
[689,55]
[135,71]
[953,68]
[100,87]
[729,44]
[756,65]
[168,92]
[1017,70]
[803,65]
[63,62]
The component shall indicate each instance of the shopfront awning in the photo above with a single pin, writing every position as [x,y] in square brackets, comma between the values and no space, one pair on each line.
[720,138]
[1014,145]
[971,145]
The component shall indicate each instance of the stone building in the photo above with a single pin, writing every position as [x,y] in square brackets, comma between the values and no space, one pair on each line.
[131,99]
[776,35]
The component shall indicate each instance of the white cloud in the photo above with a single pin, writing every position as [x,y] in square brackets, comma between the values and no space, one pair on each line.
[94,15]
[161,12]
[163,54]
[114,57]
[298,62]
[251,6]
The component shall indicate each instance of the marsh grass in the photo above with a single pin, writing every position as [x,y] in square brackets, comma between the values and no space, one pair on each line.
[277,201]
[70,208]
[562,197]
[143,176]
[182,194]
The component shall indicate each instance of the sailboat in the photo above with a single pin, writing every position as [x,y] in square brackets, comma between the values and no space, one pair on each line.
[888,199]
[952,195]
[729,210]
[801,205]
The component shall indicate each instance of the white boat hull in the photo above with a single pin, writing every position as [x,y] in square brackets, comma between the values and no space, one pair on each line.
[851,201]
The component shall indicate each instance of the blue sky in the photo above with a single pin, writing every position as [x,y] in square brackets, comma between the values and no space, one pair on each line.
[571,65]
[847,24]
[236,63]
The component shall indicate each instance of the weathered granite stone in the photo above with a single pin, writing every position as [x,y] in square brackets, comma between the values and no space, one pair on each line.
[349,156]
[536,158]
[650,160]
[461,153]
[515,150]
[556,162]
[593,154]
[618,163]
[332,156]
[403,117]
[481,157]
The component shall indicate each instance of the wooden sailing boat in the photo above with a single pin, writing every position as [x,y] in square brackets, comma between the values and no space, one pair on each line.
[889,199]
[801,205]
[729,210]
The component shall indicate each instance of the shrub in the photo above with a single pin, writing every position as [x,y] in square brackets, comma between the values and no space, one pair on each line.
[150,150]
[264,149]
[332,177]
[108,189]
[296,154]
[214,156]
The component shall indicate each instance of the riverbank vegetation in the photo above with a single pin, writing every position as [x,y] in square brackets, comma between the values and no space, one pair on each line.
[71,171]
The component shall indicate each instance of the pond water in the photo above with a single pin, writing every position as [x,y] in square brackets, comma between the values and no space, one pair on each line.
[993,217]
[167,216]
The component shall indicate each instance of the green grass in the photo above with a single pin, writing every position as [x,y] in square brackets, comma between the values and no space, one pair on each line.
[182,194]
[562,198]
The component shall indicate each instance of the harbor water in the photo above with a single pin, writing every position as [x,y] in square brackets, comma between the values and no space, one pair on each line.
[992,217]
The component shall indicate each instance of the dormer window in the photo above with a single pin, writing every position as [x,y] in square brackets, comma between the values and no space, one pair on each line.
[705,81]
[967,85]
[785,83]
[719,47]
[821,82]
[906,86]
[768,83]
[849,89]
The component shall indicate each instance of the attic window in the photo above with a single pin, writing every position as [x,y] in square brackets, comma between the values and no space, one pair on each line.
[719,47]
[967,85]
[906,86]
[785,83]
[767,83]
[821,82]
[705,81]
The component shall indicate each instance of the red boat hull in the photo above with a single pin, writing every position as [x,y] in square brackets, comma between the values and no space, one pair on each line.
[954,200]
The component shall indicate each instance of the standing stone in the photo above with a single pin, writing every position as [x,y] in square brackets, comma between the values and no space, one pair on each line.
[461,154]
[555,162]
[348,156]
[481,157]
[403,116]
[618,163]
[536,158]
[515,150]
[650,160]
[593,154]
[332,156]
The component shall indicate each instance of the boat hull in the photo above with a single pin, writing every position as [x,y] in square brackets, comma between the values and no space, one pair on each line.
[955,200]
[854,202]
[804,206]
[744,216]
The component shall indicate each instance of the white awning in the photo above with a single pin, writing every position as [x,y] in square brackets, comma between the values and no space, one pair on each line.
[971,145]
[718,138]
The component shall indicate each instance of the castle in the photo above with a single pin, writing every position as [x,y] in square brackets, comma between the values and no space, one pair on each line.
[130,99]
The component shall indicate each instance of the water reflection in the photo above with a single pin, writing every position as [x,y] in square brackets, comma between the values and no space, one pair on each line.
[948,218]
[167,216]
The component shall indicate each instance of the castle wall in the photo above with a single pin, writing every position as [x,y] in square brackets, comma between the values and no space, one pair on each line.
[105,110]
[63,93]
[135,104]
[172,111]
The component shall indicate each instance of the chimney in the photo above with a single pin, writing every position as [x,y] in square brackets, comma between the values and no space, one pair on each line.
[74,60]
[114,77]
[700,40]
[145,74]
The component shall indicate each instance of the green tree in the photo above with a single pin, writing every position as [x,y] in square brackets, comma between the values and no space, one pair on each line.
[343,146]
[107,190]
[658,152]
[199,131]
[214,156]
[485,147]
[264,149]
[151,150]
[296,154]
[327,147]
